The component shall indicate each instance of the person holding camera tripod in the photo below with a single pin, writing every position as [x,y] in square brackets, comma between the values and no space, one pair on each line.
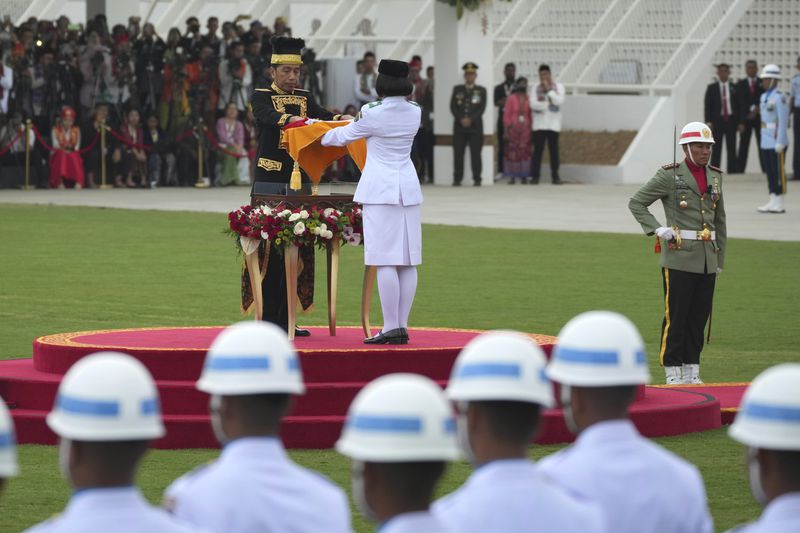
[95,65]
[235,77]
[148,52]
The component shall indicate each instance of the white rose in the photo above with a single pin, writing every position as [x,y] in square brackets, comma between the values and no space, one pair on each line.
[265,235]
[317,231]
[329,234]
[299,228]
[294,216]
[328,212]
[323,227]
[304,214]
[284,213]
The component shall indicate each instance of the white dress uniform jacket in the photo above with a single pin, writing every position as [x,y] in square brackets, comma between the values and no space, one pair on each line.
[121,510]
[782,515]
[547,112]
[774,108]
[389,176]
[421,522]
[254,486]
[641,487]
[513,495]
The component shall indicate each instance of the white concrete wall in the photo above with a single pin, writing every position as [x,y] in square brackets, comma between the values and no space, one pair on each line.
[606,112]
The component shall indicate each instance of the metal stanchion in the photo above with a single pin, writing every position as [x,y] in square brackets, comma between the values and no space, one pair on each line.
[103,180]
[28,185]
[202,182]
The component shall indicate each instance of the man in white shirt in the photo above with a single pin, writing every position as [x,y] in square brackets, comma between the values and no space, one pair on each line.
[105,414]
[8,446]
[599,362]
[399,435]
[500,388]
[722,116]
[235,79]
[364,82]
[546,101]
[768,423]
[251,372]
[6,83]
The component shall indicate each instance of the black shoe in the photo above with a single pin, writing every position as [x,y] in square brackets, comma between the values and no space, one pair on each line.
[456,184]
[298,332]
[404,333]
[477,183]
[557,181]
[534,181]
[394,336]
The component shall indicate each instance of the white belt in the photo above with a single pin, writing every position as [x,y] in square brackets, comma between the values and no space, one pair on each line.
[698,235]
[769,125]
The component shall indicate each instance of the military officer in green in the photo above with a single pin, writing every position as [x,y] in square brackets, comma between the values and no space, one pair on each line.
[467,105]
[273,107]
[692,243]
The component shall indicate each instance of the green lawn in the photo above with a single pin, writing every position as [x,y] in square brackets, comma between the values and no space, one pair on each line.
[68,269]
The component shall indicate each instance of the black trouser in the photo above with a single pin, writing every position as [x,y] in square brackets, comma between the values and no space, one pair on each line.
[687,302]
[724,129]
[501,139]
[796,148]
[472,136]
[773,166]
[273,290]
[750,126]
[539,138]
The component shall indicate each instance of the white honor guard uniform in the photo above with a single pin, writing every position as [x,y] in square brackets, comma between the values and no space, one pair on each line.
[389,187]
[508,495]
[121,510]
[642,487]
[512,495]
[769,420]
[254,486]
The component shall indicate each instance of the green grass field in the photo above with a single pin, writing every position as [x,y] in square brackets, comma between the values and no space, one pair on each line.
[69,269]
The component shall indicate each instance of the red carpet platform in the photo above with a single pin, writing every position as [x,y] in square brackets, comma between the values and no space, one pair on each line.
[335,369]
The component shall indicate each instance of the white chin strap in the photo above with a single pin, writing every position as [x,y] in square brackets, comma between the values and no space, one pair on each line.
[689,154]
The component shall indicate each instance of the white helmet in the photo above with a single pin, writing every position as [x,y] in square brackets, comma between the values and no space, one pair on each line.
[769,415]
[399,418]
[107,396]
[252,357]
[696,132]
[501,365]
[8,450]
[599,349]
[771,72]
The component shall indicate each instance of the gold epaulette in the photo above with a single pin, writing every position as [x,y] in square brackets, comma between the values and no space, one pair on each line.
[715,168]
[669,166]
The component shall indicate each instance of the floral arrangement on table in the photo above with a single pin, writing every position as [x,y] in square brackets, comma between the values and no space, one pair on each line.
[300,227]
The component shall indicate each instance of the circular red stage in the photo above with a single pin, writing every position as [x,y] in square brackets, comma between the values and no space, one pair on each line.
[334,368]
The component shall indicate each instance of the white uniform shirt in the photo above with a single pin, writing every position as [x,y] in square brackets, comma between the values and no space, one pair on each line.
[420,522]
[547,112]
[796,93]
[121,510]
[782,515]
[389,176]
[254,486]
[362,81]
[6,84]
[642,487]
[512,495]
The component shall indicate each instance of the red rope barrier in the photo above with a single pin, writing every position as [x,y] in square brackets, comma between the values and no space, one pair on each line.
[91,145]
[125,141]
[41,140]
[5,149]
[185,135]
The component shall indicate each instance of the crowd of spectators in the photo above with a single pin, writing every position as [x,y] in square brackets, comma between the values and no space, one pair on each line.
[173,108]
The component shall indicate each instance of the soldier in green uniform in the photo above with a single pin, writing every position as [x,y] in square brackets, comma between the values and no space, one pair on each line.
[273,107]
[467,105]
[692,243]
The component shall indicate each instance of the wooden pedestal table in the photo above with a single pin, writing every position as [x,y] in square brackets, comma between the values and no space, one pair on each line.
[291,254]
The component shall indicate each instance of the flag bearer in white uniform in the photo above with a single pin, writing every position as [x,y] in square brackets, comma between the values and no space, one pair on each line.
[390,193]
[251,371]
[768,423]
[8,450]
[774,108]
[599,362]
[400,434]
[500,388]
[106,413]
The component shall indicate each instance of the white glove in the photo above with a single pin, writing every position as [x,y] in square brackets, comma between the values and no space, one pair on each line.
[780,148]
[719,271]
[665,233]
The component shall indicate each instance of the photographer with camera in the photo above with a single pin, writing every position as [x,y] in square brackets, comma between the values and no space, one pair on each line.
[192,40]
[95,65]
[123,87]
[236,78]
[148,52]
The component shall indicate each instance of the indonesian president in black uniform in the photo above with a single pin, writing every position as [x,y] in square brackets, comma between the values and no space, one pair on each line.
[273,107]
